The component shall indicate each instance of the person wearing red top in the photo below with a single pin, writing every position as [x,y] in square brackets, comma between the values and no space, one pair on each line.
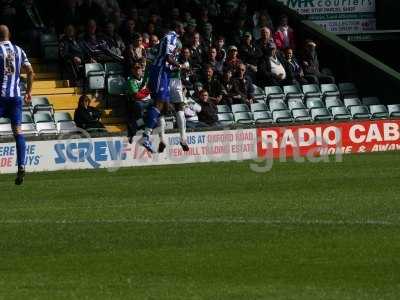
[284,35]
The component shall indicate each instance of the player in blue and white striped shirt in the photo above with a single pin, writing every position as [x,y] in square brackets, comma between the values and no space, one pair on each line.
[159,74]
[13,60]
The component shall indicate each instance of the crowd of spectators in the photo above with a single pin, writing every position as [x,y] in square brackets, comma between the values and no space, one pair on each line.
[227,45]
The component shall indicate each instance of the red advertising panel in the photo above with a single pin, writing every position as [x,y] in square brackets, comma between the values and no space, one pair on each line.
[329,139]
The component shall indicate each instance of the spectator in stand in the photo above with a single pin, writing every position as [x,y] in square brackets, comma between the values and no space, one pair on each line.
[263,21]
[209,111]
[186,18]
[212,60]
[151,29]
[138,99]
[226,21]
[203,20]
[208,35]
[87,117]
[152,51]
[212,85]
[135,51]
[187,73]
[129,31]
[198,51]
[220,46]
[295,68]
[249,55]
[190,31]
[232,60]
[113,40]
[29,25]
[239,31]
[108,6]
[284,35]
[310,64]
[264,42]
[93,43]
[72,53]
[68,14]
[228,91]
[243,87]
[273,70]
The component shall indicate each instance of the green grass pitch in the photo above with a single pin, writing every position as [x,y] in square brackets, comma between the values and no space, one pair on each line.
[205,231]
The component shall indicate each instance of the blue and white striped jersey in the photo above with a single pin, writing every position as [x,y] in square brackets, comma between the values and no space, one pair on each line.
[167,46]
[12,58]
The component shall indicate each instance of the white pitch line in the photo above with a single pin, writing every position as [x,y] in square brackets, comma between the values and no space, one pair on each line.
[223,221]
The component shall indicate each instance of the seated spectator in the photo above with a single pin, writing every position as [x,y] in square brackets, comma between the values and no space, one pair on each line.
[135,51]
[209,111]
[248,54]
[188,75]
[94,45]
[263,21]
[232,59]
[237,34]
[190,31]
[212,60]
[243,87]
[152,51]
[192,109]
[207,35]
[85,116]
[295,68]
[138,100]
[262,44]
[284,36]
[129,31]
[228,91]
[220,46]
[273,70]
[72,53]
[310,64]
[146,40]
[89,10]
[113,40]
[212,85]
[197,50]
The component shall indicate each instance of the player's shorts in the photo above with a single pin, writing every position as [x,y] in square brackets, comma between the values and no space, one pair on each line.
[176,90]
[11,108]
[159,83]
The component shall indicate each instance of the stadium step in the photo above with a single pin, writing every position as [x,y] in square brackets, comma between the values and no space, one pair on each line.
[112,120]
[115,128]
[50,84]
[53,91]
[45,68]
[70,101]
[44,76]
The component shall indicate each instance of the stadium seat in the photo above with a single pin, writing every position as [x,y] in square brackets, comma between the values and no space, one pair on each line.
[378,111]
[65,123]
[262,117]
[311,90]
[293,91]
[113,69]
[274,92]
[314,103]
[27,125]
[333,102]
[367,101]
[301,115]
[45,123]
[116,85]
[239,108]
[226,118]
[282,116]
[95,76]
[223,108]
[294,104]
[329,89]
[349,102]
[5,127]
[394,110]
[41,104]
[360,112]
[320,114]
[259,95]
[348,90]
[340,113]
[258,107]
[243,117]
[277,104]
[49,46]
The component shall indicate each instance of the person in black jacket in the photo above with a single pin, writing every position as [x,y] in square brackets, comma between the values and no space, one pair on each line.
[209,111]
[85,116]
